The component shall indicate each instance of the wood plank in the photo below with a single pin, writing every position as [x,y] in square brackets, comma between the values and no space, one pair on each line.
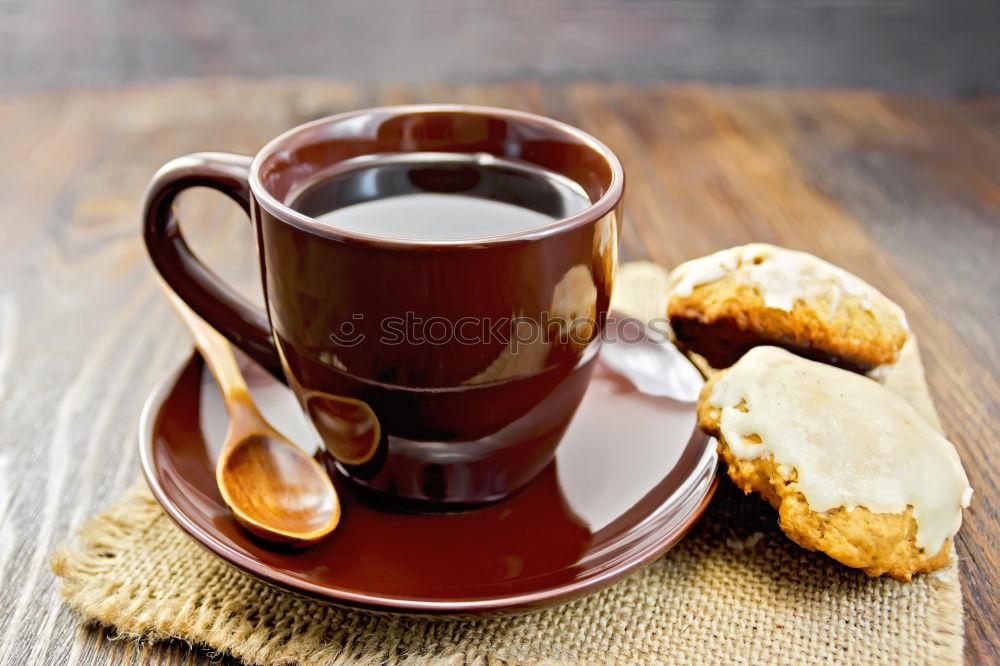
[917,45]
[902,190]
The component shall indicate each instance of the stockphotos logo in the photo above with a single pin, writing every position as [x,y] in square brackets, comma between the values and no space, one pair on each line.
[515,332]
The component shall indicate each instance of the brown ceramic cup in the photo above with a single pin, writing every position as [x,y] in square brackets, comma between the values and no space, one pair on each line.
[467,416]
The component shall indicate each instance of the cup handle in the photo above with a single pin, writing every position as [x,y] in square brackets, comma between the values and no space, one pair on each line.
[214,301]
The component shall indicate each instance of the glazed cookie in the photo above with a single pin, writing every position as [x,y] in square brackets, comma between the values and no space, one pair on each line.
[724,304]
[851,467]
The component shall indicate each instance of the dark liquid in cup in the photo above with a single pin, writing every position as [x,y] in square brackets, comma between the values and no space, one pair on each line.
[438,196]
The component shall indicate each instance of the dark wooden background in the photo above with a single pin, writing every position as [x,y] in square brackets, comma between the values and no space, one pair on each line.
[932,46]
[903,189]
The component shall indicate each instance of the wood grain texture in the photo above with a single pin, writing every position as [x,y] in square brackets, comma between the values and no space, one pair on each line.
[904,191]
[931,46]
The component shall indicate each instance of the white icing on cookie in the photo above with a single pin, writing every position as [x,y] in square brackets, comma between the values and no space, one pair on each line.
[852,441]
[782,277]
[881,372]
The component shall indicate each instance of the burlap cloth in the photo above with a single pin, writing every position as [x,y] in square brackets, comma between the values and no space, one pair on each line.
[735,590]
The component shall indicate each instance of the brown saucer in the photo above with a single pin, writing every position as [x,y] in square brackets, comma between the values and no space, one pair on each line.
[631,477]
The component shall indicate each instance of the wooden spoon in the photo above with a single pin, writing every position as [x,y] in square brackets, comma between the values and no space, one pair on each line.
[274,489]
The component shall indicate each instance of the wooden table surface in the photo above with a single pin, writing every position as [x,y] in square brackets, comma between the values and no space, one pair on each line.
[902,190]
[925,46]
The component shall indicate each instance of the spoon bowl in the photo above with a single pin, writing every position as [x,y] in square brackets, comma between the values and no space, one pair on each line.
[277,492]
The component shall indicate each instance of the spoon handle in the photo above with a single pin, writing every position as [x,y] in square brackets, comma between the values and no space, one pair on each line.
[216,351]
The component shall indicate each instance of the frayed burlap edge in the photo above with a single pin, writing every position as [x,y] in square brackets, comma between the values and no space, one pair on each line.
[82,568]
[82,565]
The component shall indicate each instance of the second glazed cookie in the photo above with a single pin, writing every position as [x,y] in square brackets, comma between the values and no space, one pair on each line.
[852,468]
[726,303]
